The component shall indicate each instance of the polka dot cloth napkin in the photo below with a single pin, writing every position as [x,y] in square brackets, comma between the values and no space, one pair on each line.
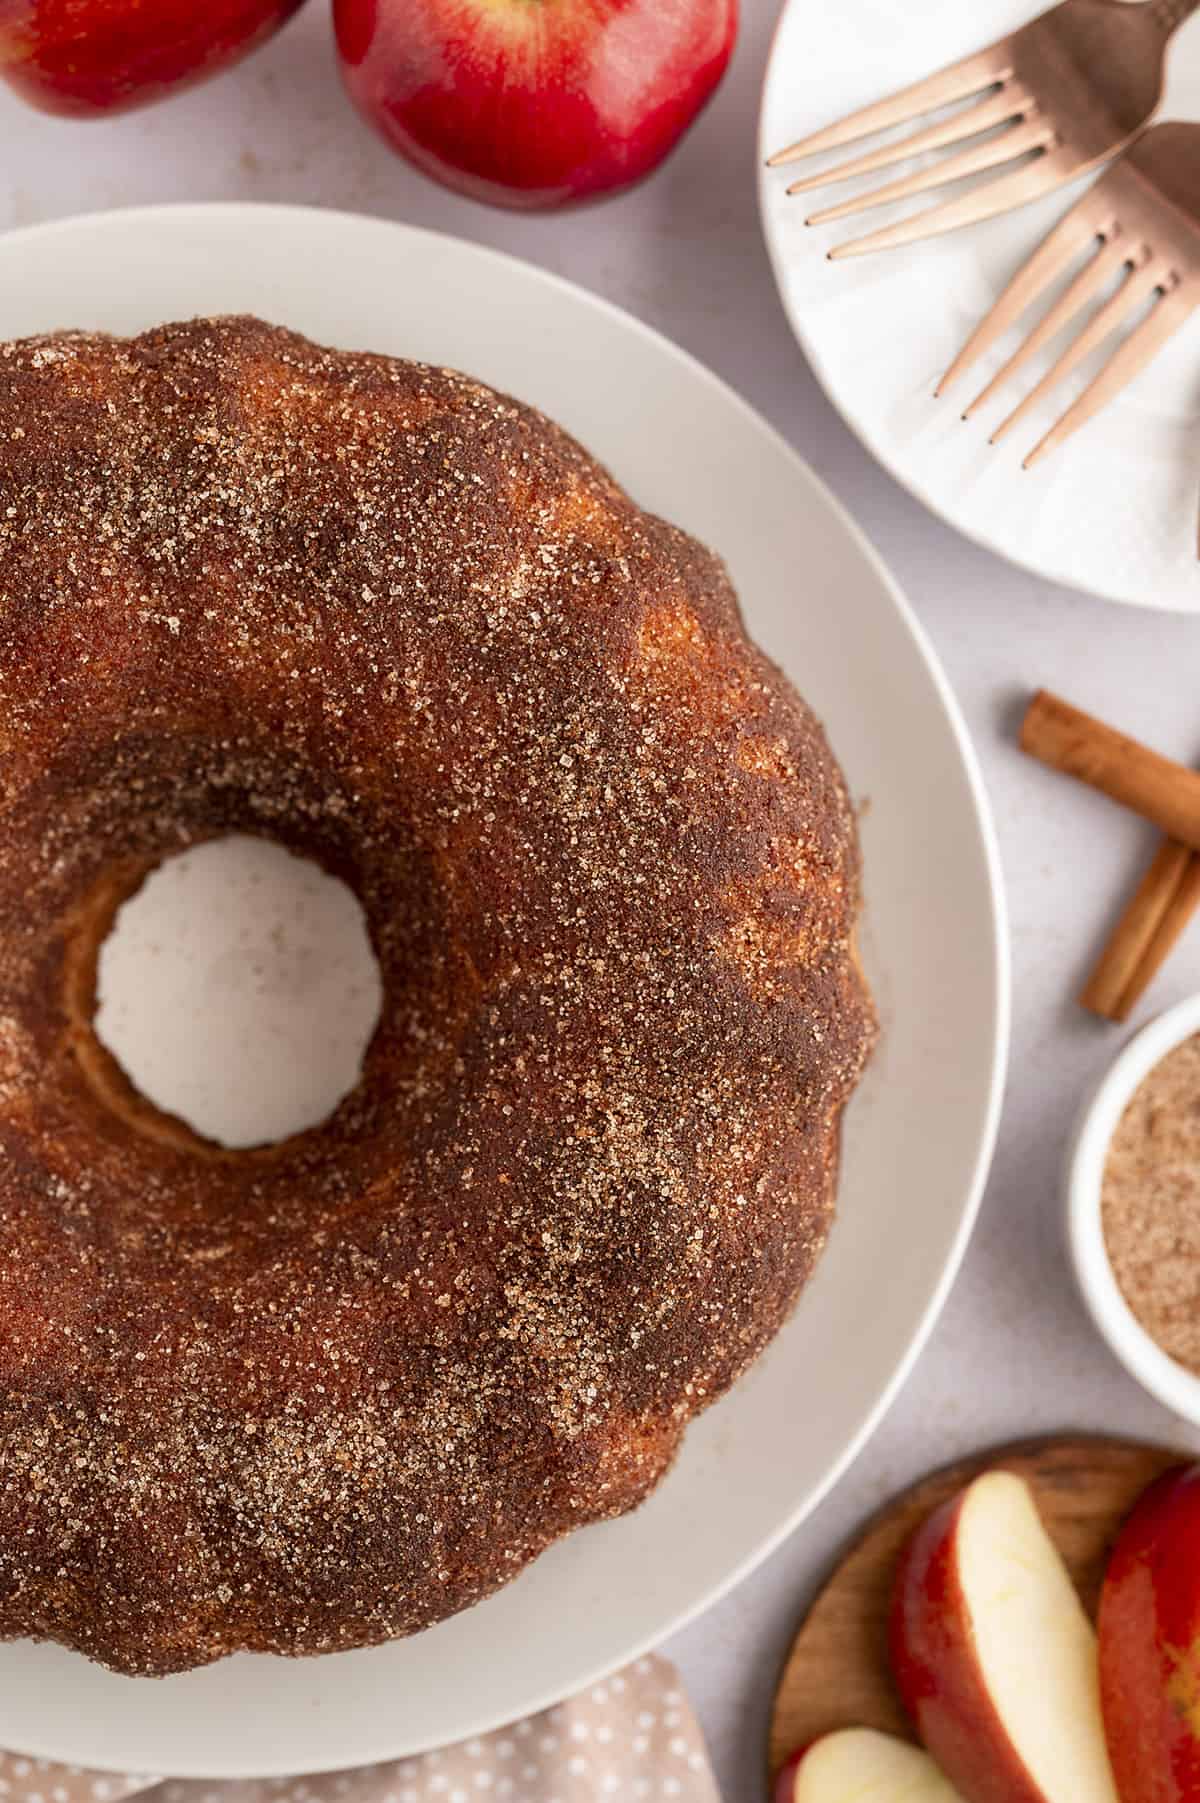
[633,1737]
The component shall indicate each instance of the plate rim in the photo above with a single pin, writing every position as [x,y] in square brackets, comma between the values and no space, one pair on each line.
[860,426]
[384,1749]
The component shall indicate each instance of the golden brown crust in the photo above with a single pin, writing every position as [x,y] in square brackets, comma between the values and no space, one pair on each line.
[326,1393]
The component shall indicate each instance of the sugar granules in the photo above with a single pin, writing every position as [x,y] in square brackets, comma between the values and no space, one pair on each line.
[1151,1204]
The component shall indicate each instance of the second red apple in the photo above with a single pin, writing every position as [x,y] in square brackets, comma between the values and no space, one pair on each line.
[1150,1645]
[534,103]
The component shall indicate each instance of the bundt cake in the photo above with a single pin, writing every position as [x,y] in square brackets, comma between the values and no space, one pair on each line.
[317,1394]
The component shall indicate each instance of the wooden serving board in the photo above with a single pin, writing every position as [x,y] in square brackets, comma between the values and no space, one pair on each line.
[836,1675]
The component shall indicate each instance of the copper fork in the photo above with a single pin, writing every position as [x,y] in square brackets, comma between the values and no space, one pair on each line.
[1057,98]
[1141,224]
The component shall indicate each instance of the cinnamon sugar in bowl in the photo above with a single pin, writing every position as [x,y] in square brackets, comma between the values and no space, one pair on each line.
[1133,1194]
[1150,1203]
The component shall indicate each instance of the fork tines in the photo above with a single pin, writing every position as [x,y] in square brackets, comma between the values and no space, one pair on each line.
[1145,280]
[961,81]
[1000,104]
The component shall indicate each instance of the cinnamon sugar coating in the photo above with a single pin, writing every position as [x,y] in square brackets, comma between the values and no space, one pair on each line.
[324,1393]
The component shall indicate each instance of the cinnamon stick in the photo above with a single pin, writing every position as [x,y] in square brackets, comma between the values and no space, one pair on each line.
[1138,946]
[1162,791]
[1180,910]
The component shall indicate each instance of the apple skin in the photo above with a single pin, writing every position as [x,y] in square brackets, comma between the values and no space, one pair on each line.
[784,1789]
[91,58]
[980,1564]
[933,1664]
[1150,1645]
[534,103]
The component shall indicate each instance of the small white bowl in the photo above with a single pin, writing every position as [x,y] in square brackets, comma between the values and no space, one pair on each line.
[1176,1388]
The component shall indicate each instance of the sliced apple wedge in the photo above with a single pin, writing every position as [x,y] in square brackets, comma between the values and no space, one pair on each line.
[993,1654]
[856,1764]
[1150,1645]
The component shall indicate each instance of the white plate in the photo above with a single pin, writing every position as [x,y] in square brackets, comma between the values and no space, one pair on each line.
[1114,510]
[920,1133]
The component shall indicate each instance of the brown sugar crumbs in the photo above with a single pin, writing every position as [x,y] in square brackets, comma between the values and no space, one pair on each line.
[1151,1204]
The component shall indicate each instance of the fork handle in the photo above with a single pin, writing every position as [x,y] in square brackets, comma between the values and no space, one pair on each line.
[1171,14]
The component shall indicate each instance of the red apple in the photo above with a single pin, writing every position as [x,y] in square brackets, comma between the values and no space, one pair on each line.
[534,103]
[94,57]
[1150,1645]
[859,1763]
[994,1656]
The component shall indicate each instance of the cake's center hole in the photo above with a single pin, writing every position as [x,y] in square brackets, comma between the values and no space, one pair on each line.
[238,990]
